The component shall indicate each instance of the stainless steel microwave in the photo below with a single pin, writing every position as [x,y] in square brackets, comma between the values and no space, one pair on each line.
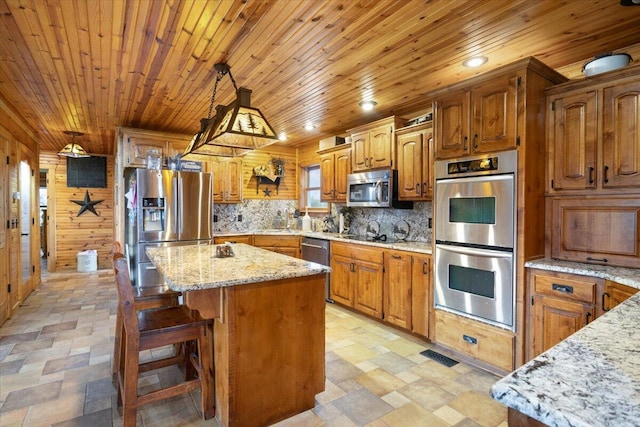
[375,189]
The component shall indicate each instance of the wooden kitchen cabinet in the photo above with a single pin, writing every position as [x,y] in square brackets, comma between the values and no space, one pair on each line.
[373,145]
[481,119]
[227,180]
[593,134]
[335,165]
[615,293]
[286,245]
[357,277]
[601,230]
[238,238]
[138,144]
[407,286]
[561,304]
[421,295]
[475,340]
[397,288]
[414,148]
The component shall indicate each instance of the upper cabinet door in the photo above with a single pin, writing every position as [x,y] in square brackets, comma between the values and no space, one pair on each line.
[342,169]
[380,147]
[572,141]
[494,115]
[621,136]
[452,125]
[360,151]
[409,152]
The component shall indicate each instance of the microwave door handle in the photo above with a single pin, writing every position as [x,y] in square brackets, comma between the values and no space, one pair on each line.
[379,191]
[475,251]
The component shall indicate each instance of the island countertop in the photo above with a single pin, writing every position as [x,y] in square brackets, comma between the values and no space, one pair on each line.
[590,379]
[194,267]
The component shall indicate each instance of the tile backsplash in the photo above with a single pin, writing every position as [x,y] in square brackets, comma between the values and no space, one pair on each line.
[253,215]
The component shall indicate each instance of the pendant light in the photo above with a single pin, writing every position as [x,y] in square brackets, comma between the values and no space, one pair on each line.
[72,149]
[236,128]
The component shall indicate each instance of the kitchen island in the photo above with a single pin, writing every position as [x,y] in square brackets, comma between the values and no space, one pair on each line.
[268,330]
[591,378]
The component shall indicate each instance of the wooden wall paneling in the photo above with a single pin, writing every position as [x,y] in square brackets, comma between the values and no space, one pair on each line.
[78,233]
[308,154]
[288,183]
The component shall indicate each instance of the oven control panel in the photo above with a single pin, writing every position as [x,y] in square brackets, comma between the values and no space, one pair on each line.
[475,165]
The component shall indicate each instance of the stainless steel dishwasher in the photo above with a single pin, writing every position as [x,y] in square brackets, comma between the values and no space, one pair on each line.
[317,250]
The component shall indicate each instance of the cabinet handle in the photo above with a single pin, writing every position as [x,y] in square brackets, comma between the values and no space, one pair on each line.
[464,143]
[590,174]
[417,188]
[352,267]
[587,317]
[424,188]
[597,259]
[562,288]
[470,339]
[606,294]
[396,256]
[475,140]
[606,178]
[425,267]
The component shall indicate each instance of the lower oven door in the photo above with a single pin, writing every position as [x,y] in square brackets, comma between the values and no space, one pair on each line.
[477,283]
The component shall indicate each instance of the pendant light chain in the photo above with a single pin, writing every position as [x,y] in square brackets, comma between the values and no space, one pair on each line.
[224,69]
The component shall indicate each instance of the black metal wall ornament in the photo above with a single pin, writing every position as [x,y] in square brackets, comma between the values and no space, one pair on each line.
[87,204]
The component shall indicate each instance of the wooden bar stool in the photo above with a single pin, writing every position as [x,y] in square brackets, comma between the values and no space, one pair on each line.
[144,330]
[146,298]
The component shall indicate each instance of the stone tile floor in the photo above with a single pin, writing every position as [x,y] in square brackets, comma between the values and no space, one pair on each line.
[55,359]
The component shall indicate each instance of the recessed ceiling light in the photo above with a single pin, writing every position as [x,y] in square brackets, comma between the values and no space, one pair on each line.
[309,126]
[476,61]
[282,136]
[368,105]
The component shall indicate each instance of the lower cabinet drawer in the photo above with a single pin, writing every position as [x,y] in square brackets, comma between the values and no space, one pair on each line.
[474,339]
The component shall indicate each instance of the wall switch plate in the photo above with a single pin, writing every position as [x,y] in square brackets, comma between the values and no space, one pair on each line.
[430,223]
[215,218]
[239,218]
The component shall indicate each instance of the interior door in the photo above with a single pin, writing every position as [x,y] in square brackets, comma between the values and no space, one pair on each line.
[29,238]
[4,234]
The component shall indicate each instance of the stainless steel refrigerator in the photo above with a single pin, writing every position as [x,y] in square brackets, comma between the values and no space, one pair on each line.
[164,208]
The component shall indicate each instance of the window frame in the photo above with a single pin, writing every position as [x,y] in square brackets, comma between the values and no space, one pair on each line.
[304,188]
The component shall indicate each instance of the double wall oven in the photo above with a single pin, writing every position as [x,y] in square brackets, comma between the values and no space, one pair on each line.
[475,235]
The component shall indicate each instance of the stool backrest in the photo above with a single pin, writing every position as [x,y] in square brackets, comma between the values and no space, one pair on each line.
[126,301]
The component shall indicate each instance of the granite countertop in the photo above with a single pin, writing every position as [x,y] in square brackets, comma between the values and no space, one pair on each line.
[410,246]
[591,378]
[192,267]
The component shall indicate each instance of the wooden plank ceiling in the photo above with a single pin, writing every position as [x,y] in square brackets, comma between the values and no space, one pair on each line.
[93,65]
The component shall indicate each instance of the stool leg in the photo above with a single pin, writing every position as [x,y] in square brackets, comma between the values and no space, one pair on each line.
[207,383]
[117,343]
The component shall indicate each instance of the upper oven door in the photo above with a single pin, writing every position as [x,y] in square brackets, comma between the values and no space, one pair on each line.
[477,210]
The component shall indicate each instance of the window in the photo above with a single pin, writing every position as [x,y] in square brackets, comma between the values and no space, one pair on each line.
[310,190]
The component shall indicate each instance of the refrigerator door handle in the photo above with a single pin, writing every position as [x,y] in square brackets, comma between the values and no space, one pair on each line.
[175,184]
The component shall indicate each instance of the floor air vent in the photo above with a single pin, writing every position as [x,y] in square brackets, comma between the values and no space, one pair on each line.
[433,355]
